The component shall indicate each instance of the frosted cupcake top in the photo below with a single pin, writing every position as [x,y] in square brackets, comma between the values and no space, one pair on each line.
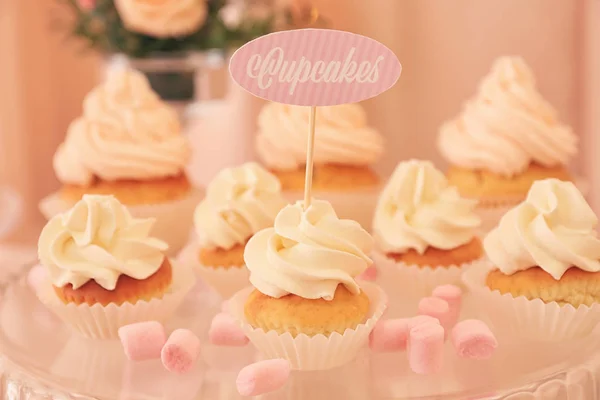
[239,202]
[554,229]
[507,126]
[99,240]
[418,209]
[125,132]
[343,136]
[308,253]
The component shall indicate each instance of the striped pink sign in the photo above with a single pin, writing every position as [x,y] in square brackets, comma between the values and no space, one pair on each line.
[315,67]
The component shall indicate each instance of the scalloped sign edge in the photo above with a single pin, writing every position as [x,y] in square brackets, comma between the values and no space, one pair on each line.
[315,67]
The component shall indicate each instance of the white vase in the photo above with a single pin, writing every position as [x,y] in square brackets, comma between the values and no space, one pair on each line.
[222,133]
[175,77]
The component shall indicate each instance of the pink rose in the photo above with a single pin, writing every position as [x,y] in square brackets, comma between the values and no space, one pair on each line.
[162,18]
[301,10]
[86,5]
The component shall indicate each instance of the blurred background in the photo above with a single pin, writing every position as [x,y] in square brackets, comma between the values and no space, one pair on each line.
[55,51]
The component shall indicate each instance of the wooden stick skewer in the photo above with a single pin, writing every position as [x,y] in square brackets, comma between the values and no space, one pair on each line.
[309,157]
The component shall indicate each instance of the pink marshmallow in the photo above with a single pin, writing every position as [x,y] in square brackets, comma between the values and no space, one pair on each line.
[452,295]
[370,274]
[426,348]
[181,351]
[225,332]
[473,339]
[143,340]
[421,319]
[263,377]
[389,335]
[436,308]
[36,276]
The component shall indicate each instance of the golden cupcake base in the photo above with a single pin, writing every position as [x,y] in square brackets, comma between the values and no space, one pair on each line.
[487,185]
[296,315]
[132,192]
[438,258]
[575,287]
[222,258]
[329,177]
[128,290]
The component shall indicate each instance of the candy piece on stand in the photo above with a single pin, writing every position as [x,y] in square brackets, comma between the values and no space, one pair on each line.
[370,274]
[263,377]
[426,348]
[421,319]
[36,276]
[389,335]
[181,351]
[436,308]
[143,340]
[473,339]
[225,332]
[451,294]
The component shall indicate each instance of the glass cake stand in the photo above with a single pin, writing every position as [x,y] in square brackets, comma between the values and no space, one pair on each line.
[42,359]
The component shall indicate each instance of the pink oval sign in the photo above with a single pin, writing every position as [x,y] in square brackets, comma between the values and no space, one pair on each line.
[315,67]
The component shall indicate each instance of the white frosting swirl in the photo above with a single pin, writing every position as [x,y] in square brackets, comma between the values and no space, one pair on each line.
[507,126]
[239,202]
[163,18]
[308,253]
[126,132]
[418,209]
[554,229]
[99,240]
[341,136]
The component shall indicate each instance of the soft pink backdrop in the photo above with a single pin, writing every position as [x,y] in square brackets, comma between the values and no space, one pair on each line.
[444,47]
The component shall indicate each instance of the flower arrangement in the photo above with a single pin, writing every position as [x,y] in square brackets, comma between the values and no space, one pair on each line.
[160,37]
[141,28]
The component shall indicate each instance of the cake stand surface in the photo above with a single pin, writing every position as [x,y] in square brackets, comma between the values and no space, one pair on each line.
[43,359]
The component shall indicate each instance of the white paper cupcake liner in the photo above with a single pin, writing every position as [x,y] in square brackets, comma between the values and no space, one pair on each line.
[531,319]
[312,353]
[173,220]
[357,205]
[417,280]
[103,322]
[225,281]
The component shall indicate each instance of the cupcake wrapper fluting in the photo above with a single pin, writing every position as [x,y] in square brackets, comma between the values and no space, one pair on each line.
[312,353]
[419,280]
[103,322]
[532,319]
[225,281]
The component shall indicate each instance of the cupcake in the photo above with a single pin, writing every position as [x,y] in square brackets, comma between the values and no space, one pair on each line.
[545,263]
[305,304]
[505,139]
[345,150]
[104,269]
[239,202]
[128,143]
[424,231]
